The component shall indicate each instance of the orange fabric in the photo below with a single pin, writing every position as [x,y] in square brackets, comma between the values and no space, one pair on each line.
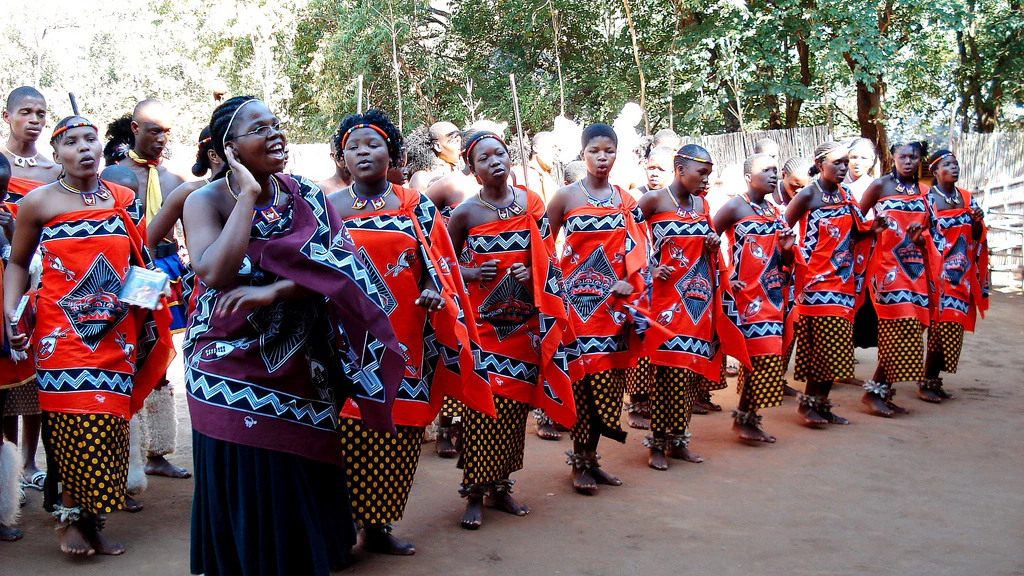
[901,276]
[602,246]
[827,274]
[16,190]
[764,302]
[95,354]
[12,373]
[963,286]
[524,330]
[694,304]
[439,346]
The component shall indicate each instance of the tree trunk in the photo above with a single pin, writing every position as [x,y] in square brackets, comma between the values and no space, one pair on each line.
[639,68]
[795,103]
[870,118]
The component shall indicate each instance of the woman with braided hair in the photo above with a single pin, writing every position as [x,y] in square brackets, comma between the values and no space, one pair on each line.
[286,327]
[831,224]
[408,254]
[903,267]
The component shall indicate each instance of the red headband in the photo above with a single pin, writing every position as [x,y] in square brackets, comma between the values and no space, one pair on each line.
[469,149]
[204,141]
[939,159]
[81,123]
[376,129]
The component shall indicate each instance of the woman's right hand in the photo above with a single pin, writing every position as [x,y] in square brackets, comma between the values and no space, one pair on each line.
[247,185]
[18,342]
[488,271]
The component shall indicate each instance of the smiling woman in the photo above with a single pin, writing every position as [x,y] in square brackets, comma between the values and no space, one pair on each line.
[279,296]
[97,358]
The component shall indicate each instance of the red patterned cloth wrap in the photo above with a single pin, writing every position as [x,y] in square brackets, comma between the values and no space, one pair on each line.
[12,373]
[902,277]
[764,303]
[963,282]
[17,188]
[94,353]
[696,304]
[524,328]
[397,248]
[828,280]
[602,246]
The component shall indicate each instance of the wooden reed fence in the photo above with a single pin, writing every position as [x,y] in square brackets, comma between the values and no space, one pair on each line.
[989,159]
[734,147]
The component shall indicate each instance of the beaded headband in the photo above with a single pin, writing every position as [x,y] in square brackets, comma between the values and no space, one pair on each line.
[81,123]
[204,141]
[469,149]
[376,129]
[224,140]
[687,157]
[939,159]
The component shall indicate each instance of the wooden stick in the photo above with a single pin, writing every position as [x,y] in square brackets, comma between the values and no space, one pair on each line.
[359,94]
[74,103]
[519,131]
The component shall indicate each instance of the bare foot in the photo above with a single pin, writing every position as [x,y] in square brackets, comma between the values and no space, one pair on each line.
[602,477]
[698,409]
[929,395]
[708,405]
[445,448]
[657,460]
[810,415]
[378,539]
[473,517]
[159,466]
[684,453]
[73,541]
[636,420]
[583,481]
[876,405]
[506,503]
[752,433]
[8,534]
[560,428]
[131,504]
[896,409]
[833,418]
[547,432]
[104,546]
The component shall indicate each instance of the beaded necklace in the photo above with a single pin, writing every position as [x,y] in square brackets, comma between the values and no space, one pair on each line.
[835,197]
[766,211]
[268,213]
[88,197]
[598,202]
[953,200]
[358,203]
[23,161]
[504,212]
[689,213]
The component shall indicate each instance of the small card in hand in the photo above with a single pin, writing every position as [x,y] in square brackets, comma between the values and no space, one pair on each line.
[24,319]
[143,287]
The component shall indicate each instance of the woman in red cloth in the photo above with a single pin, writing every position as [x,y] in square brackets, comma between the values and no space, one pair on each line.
[688,293]
[409,257]
[604,263]
[959,233]
[515,293]
[761,266]
[830,226]
[97,358]
[903,267]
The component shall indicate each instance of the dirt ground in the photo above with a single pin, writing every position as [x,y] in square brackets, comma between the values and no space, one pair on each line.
[937,492]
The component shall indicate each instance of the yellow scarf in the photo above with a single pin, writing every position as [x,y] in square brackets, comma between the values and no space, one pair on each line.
[154,197]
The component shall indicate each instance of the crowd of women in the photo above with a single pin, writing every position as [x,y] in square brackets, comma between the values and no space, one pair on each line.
[327,327]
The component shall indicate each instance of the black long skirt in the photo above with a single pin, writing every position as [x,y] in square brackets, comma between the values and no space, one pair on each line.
[259,512]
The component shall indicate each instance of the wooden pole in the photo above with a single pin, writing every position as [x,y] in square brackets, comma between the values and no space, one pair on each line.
[359,94]
[519,131]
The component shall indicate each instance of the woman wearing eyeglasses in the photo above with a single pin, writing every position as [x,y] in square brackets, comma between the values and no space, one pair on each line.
[286,326]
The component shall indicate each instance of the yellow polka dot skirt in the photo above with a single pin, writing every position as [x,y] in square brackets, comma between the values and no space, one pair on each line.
[947,338]
[761,387]
[824,350]
[492,449]
[707,386]
[901,349]
[673,394]
[380,469]
[638,379]
[452,408]
[599,406]
[91,453]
